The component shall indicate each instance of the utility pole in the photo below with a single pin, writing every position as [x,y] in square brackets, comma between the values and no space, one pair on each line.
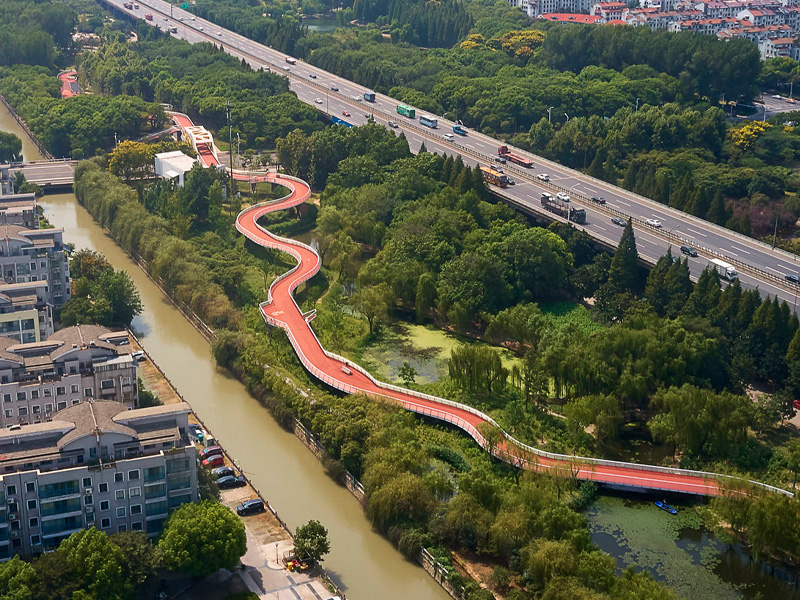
[230,138]
[238,153]
[775,233]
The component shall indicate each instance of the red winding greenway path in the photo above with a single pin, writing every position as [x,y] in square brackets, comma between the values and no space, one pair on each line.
[281,310]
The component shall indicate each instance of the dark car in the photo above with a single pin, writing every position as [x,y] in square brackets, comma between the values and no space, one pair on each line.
[220,472]
[250,507]
[312,75]
[210,451]
[792,278]
[229,481]
[598,199]
[511,181]
[500,159]
[618,221]
[392,124]
[688,250]
[334,88]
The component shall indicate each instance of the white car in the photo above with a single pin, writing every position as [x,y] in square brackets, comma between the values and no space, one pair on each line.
[563,196]
[448,136]
[653,222]
[286,69]
[219,34]
[318,100]
[777,97]
[543,177]
[357,98]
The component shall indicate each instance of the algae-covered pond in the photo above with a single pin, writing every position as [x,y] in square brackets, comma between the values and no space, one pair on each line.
[679,551]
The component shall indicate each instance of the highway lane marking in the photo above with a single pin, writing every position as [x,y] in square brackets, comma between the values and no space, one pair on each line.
[731,251]
[785,267]
[622,202]
[599,227]
[696,232]
[739,249]
[773,270]
[649,241]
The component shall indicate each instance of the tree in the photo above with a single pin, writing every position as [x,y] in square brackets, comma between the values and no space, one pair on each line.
[426,295]
[18,579]
[121,293]
[10,148]
[201,538]
[624,271]
[408,374]
[373,303]
[131,161]
[141,557]
[311,541]
[146,397]
[215,205]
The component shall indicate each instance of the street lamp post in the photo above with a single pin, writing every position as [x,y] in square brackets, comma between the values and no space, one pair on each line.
[566,115]
[549,119]
[637,104]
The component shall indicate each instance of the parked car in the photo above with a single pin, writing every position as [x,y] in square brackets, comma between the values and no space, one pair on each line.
[345,113]
[653,222]
[210,451]
[250,507]
[618,221]
[688,250]
[138,356]
[392,124]
[230,481]
[214,461]
[543,177]
[220,472]
[598,200]
[792,278]
[195,431]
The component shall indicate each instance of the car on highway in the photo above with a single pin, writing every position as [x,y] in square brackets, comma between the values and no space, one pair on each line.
[222,472]
[688,250]
[792,278]
[618,221]
[543,177]
[166,19]
[653,223]
[210,451]
[345,113]
[776,96]
[598,200]
[250,507]
[214,461]
[357,98]
[201,29]
[318,100]
[500,159]
[563,196]
[286,69]
[510,180]
[219,34]
[392,124]
[312,75]
[334,88]
[448,136]
[229,481]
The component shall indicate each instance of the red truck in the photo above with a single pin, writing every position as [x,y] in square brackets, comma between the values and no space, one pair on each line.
[515,158]
[149,17]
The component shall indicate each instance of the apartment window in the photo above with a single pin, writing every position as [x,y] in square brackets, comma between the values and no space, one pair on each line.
[74,388]
[133,475]
[136,526]
[88,500]
[48,408]
[120,511]
[87,482]
[136,509]
[104,505]
[23,411]
[119,494]
[22,396]
[103,488]
[134,492]
[35,540]
[6,397]
[43,264]
[74,402]
[33,266]
[9,413]
[118,477]
[88,392]
[37,409]
[47,392]
[62,405]
[107,384]
[126,381]
[31,504]
[121,528]
[34,394]
[30,487]
[13,507]
[33,522]
[11,490]
[105,523]
[61,390]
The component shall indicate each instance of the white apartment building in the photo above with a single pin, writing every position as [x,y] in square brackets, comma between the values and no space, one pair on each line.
[73,365]
[25,314]
[35,255]
[95,464]
[536,8]
[19,209]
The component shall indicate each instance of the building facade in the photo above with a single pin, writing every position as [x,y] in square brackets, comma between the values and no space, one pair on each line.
[19,209]
[73,365]
[25,314]
[35,255]
[95,464]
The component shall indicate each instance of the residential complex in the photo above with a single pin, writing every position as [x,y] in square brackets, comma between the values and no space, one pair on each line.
[73,365]
[25,313]
[19,209]
[28,255]
[770,24]
[96,464]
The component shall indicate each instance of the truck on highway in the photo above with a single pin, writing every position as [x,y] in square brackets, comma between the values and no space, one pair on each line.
[369,96]
[291,61]
[149,17]
[459,130]
[515,158]
[568,210]
[725,270]
[406,111]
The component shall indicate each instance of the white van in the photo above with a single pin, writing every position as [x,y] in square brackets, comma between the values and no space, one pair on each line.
[448,136]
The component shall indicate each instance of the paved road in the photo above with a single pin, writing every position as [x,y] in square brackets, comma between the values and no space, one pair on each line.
[47,173]
[759,265]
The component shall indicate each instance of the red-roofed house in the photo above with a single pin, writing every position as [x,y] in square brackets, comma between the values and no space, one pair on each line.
[785,46]
[760,18]
[610,10]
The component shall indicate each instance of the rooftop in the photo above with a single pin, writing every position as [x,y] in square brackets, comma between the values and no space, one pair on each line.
[571,18]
